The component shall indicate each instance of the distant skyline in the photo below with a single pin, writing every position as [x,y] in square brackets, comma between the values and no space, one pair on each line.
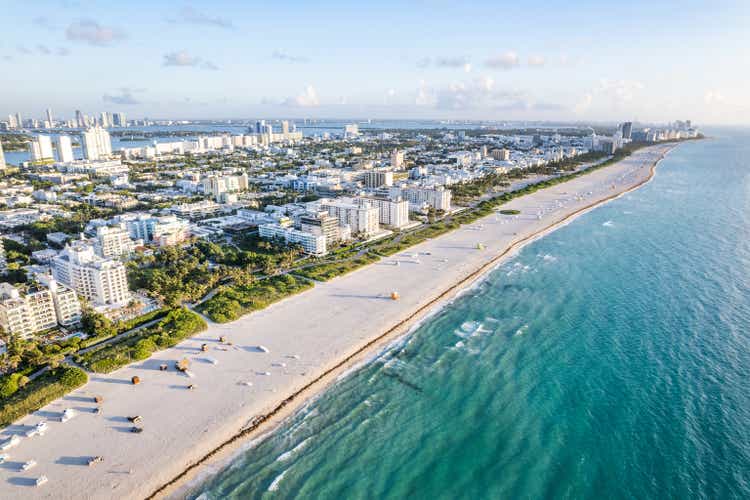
[433,59]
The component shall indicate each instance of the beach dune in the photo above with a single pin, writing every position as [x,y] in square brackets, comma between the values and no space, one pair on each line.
[308,340]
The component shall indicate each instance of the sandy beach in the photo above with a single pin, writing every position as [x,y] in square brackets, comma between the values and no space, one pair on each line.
[311,339]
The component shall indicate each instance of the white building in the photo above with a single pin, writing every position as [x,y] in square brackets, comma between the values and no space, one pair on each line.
[438,198]
[219,185]
[351,130]
[40,148]
[96,144]
[3,261]
[113,241]
[393,213]
[313,244]
[100,280]
[64,149]
[67,305]
[26,314]
[378,178]
[363,220]
[397,158]
[2,157]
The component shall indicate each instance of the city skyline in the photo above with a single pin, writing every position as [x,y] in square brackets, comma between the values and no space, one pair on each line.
[437,60]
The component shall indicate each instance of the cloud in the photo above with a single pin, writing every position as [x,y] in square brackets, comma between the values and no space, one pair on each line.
[23,50]
[125,97]
[446,62]
[43,49]
[425,95]
[508,60]
[584,104]
[189,15]
[451,62]
[615,92]
[620,90]
[282,55]
[307,99]
[477,94]
[713,97]
[182,58]
[93,33]
[536,61]
[388,96]
[62,51]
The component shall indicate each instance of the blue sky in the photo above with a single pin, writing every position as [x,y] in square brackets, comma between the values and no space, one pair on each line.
[571,60]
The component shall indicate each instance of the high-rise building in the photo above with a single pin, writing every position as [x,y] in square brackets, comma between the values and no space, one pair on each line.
[28,313]
[104,121]
[12,123]
[438,198]
[627,130]
[100,280]
[260,126]
[397,158]
[64,149]
[67,305]
[321,223]
[80,122]
[164,231]
[2,157]
[393,213]
[113,241]
[96,144]
[284,127]
[119,120]
[40,148]
[351,130]
[500,154]
[19,121]
[3,261]
[378,178]
[49,117]
[362,220]
[313,244]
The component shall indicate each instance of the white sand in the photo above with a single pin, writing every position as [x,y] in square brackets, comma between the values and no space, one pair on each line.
[324,326]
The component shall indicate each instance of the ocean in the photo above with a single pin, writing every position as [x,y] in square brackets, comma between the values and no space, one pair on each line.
[609,359]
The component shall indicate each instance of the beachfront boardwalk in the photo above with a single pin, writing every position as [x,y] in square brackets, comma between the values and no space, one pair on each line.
[305,336]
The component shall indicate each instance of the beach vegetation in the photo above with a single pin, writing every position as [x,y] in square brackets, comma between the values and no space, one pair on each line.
[232,301]
[177,325]
[36,393]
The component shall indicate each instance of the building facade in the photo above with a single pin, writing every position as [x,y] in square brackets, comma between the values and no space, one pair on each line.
[100,280]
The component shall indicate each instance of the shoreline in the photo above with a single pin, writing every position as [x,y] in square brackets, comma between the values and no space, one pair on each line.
[266,424]
[191,435]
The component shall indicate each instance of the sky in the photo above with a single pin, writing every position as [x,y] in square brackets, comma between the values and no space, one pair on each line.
[593,60]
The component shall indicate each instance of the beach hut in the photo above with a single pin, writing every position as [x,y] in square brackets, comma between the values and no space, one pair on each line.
[204,347]
[182,365]
[222,339]
[395,295]
[98,399]
[135,380]
[163,367]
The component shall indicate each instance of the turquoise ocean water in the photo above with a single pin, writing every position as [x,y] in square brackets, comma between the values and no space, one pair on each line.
[610,359]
